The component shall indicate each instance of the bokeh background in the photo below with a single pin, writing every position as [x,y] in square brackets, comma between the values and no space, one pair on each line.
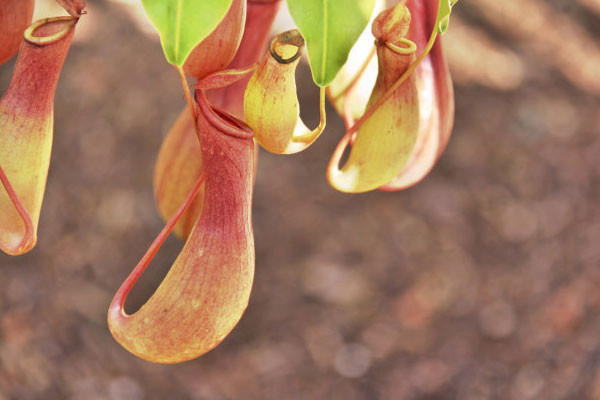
[482,282]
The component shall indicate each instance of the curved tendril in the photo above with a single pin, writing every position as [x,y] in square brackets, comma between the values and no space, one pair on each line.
[351,88]
[361,71]
[411,47]
[188,98]
[118,302]
[309,137]
[395,86]
[23,213]
[210,114]
[55,37]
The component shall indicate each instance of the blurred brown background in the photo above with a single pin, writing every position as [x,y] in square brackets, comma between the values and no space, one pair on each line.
[479,283]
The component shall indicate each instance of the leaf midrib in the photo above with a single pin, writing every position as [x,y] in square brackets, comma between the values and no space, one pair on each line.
[178,28]
[325,24]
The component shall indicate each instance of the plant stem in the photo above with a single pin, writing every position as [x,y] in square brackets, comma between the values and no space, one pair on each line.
[23,213]
[351,88]
[188,98]
[119,299]
[359,74]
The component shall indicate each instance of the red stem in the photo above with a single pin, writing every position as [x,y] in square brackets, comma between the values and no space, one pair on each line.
[117,304]
[23,213]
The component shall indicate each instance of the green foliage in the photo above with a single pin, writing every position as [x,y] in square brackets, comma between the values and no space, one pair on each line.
[182,24]
[443,17]
[330,29]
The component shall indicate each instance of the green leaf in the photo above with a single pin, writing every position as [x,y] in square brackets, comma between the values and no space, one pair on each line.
[443,17]
[330,28]
[182,24]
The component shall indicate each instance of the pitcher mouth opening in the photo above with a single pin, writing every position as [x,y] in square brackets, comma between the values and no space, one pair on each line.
[287,46]
[222,120]
[49,30]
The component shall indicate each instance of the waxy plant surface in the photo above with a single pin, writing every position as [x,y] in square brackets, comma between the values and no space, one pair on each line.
[481,282]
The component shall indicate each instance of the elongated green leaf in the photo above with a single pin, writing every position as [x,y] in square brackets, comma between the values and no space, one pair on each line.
[182,24]
[330,28]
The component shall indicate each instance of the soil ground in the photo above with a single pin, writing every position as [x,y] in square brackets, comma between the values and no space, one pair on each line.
[481,282]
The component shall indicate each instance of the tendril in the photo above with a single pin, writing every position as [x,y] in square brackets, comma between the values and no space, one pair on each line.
[188,99]
[117,304]
[29,236]
[411,47]
[356,79]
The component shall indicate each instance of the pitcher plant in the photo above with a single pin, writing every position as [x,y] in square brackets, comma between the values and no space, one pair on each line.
[239,85]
